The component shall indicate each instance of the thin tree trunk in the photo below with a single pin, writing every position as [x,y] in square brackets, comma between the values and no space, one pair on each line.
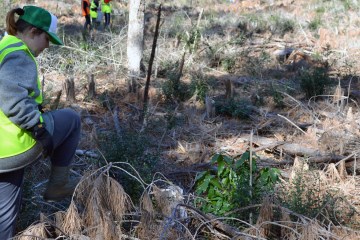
[152,56]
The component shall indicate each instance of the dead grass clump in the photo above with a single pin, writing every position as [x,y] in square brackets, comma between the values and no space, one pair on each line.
[105,206]
[346,233]
[34,232]
[71,222]
[266,215]
[310,231]
[148,227]
[333,174]
[286,232]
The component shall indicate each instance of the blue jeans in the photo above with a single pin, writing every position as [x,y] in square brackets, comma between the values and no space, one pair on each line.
[66,136]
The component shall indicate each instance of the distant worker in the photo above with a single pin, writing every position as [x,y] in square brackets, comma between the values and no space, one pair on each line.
[94,13]
[85,7]
[106,9]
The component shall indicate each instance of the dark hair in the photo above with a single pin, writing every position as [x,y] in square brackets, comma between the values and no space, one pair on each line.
[13,26]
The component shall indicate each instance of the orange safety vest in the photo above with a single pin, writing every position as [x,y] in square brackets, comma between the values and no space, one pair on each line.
[87,10]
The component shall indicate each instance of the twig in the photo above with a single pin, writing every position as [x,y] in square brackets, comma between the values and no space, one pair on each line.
[348,157]
[292,123]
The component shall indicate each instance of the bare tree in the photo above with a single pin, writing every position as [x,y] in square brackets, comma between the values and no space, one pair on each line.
[135,41]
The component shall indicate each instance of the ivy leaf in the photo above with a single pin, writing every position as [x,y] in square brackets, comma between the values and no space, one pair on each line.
[216,158]
[216,183]
[201,175]
[239,163]
[274,174]
[221,167]
[203,187]
[228,160]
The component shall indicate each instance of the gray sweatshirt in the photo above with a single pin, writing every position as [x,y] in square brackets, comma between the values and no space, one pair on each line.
[18,78]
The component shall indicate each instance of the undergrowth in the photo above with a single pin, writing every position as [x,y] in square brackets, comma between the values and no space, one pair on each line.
[131,148]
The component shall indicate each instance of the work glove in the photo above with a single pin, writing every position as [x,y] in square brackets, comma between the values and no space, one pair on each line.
[40,134]
[41,108]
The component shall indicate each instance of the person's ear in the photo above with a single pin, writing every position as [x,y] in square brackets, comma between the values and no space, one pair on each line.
[32,32]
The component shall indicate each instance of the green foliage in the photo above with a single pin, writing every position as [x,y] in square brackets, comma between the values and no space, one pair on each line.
[176,25]
[227,185]
[192,39]
[174,89]
[131,148]
[277,96]
[315,23]
[349,4]
[234,108]
[255,65]
[281,25]
[314,81]
[239,39]
[306,195]
[228,64]
[256,23]
[199,86]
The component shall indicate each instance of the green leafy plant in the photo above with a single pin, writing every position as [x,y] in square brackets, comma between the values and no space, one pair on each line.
[315,23]
[226,185]
[314,81]
[174,89]
[234,108]
[228,64]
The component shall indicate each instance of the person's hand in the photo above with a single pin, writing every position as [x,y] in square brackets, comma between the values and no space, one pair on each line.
[40,134]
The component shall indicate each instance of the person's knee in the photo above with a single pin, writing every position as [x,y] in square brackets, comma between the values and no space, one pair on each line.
[74,116]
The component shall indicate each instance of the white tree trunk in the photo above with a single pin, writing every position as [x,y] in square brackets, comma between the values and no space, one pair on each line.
[135,40]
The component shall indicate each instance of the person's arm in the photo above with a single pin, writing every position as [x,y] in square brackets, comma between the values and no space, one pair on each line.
[18,78]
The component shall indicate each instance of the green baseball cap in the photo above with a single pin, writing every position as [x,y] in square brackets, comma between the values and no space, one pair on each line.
[42,19]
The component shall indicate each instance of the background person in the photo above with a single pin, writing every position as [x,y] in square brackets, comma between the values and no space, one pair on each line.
[27,133]
[94,13]
[106,9]
[85,7]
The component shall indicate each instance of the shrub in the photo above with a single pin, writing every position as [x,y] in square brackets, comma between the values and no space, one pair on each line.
[228,64]
[131,148]
[230,107]
[281,25]
[315,23]
[174,89]
[308,194]
[314,81]
[199,86]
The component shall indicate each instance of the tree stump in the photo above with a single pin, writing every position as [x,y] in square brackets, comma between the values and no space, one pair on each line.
[56,102]
[70,89]
[210,107]
[91,86]
[229,89]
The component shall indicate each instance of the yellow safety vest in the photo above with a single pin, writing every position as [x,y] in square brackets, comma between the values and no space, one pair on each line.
[105,7]
[93,14]
[13,139]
